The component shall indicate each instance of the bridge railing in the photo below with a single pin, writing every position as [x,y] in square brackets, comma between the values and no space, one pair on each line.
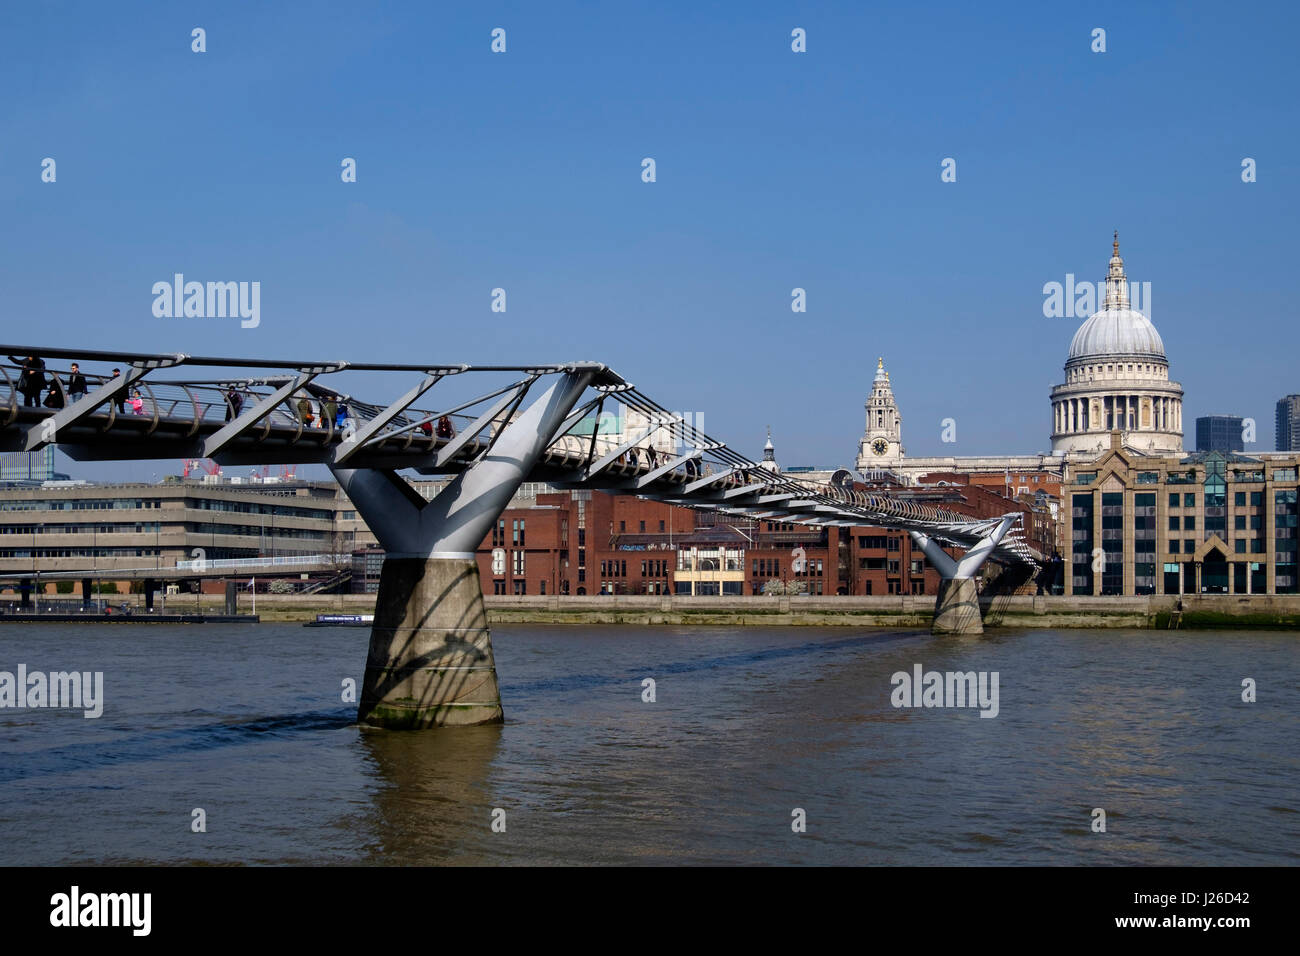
[252,564]
[186,406]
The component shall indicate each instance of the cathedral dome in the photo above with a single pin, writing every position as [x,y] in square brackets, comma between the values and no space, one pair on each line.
[1117,381]
[1116,332]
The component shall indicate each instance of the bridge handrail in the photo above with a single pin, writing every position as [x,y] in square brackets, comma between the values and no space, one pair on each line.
[220,564]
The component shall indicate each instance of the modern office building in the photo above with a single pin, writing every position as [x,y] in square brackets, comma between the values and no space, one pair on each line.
[1219,433]
[81,526]
[1288,423]
[1204,523]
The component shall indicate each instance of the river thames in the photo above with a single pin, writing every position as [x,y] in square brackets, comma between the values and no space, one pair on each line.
[748,726]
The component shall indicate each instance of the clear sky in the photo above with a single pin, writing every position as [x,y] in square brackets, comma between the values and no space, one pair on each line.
[522,170]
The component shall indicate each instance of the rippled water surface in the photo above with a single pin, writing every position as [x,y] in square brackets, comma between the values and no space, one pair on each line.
[247,723]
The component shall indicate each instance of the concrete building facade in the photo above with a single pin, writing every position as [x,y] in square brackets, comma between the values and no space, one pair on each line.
[80,526]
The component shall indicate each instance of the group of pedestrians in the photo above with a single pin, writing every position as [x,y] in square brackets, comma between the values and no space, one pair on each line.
[33,380]
[332,409]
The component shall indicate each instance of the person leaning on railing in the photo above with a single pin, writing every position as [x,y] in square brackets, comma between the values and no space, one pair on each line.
[31,381]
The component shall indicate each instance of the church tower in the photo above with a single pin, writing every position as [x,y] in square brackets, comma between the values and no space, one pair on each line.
[882,442]
[769,455]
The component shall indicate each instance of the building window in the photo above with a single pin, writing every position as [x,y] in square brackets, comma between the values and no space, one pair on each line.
[1189,523]
[1173,499]
[518,560]
[517,533]
[498,561]
[521,587]
[1081,534]
[498,587]
[1189,500]
[1239,499]
[1173,522]
[1173,546]
[1240,546]
[1285,577]
[1112,542]
[1239,523]
[622,526]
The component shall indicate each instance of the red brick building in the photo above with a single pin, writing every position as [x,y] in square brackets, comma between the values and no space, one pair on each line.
[584,542]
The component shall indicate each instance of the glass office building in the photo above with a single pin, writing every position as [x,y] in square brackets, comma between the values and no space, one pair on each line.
[1288,423]
[1219,433]
[27,465]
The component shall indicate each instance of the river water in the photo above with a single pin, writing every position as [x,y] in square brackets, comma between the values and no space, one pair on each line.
[748,726]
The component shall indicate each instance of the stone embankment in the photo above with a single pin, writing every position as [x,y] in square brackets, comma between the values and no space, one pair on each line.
[896,611]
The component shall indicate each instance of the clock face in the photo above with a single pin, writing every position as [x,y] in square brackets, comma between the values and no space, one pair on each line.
[880,446]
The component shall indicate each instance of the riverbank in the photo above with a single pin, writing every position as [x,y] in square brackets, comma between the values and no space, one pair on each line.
[894,611]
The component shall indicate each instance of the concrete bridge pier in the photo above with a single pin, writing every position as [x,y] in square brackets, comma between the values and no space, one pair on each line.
[87,590]
[150,586]
[25,594]
[957,607]
[430,662]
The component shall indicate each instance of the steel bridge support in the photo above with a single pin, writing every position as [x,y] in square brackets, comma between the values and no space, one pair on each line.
[430,662]
[957,608]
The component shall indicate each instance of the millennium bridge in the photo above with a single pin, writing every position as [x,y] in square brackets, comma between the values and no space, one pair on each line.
[485,428]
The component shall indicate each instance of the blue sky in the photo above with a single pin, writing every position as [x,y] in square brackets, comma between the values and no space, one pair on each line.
[775,170]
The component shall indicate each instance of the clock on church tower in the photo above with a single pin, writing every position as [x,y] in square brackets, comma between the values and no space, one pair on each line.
[882,442]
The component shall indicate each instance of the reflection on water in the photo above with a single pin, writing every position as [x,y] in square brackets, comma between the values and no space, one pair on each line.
[248,724]
[432,795]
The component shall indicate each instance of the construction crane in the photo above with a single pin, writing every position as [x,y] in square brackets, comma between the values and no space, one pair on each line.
[206,465]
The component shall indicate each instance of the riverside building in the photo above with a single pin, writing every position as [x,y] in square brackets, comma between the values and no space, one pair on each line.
[103,528]
[1202,523]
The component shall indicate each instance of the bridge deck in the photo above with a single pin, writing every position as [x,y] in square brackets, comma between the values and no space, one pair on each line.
[147,416]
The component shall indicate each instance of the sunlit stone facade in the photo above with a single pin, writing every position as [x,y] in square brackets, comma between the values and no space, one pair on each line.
[1117,378]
